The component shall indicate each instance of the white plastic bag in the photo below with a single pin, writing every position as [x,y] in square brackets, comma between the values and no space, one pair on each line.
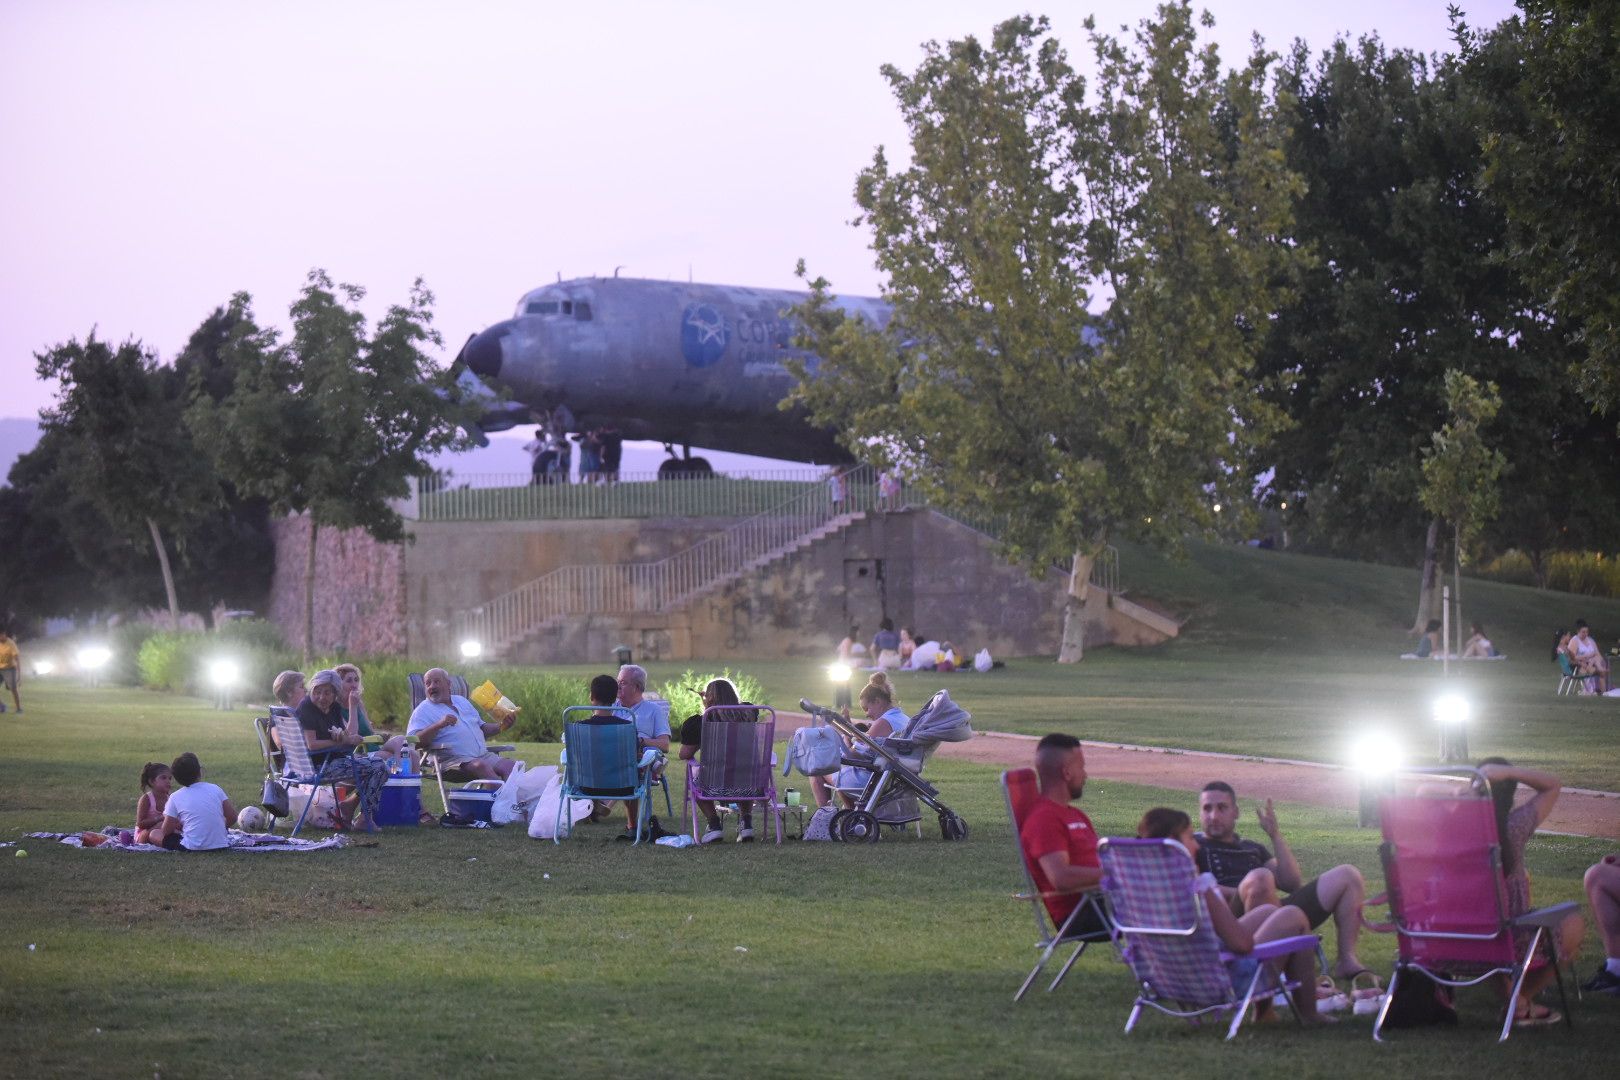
[517,795]
[543,821]
[982,661]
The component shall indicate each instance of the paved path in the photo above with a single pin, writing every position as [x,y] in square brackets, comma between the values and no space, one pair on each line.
[1579,811]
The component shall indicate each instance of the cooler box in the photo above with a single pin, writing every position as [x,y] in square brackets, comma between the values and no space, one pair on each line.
[401,801]
[474,800]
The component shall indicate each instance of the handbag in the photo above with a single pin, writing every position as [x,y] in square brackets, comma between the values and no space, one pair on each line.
[818,827]
[815,750]
[274,799]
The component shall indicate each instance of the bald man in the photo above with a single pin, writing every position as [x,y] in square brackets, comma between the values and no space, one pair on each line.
[449,724]
[1058,839]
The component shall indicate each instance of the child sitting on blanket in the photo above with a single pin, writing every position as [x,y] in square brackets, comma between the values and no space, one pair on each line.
[199,815]
[156,780]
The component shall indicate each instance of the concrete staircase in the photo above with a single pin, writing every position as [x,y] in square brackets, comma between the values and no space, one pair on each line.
[832,527]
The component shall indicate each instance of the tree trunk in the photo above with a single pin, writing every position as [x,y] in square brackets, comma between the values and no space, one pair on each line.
[1073,648]
[309,593]
[1429,588]
[1538,567]
[168,574]
[1456,583]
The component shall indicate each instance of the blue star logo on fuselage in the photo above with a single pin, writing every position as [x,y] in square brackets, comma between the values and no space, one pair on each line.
[704,335]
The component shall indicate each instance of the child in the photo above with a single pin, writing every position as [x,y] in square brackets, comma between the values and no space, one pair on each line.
[10,666]
[197,816]
[156,780]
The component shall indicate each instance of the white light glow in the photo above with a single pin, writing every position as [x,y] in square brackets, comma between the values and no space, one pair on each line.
[471,650]
[94,657]
[44,667]
[838,673]
[224,674]
[1452,709]
[1376,753]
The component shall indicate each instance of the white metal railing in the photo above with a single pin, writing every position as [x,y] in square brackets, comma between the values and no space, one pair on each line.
[516,496]
[654,586]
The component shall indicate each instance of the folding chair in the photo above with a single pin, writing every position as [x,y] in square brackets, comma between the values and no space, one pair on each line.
[1164,933]
[733,762]
[263,727]
[1447,899]
[1021,788]
[600,761]
[299,768]
[1571,681]
[430,758]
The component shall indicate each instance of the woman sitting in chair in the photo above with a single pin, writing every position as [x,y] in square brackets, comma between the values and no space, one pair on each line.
[327,736]
[881,705]
[352,706]
[1241,933]
[718,692]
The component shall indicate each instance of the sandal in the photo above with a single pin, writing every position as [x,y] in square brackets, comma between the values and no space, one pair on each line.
[1371,992]
[1531,1018]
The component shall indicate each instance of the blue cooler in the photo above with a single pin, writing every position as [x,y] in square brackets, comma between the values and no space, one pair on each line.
[401,801]
[475,799]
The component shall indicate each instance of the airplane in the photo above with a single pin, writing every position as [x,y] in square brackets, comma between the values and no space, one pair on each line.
[679,363]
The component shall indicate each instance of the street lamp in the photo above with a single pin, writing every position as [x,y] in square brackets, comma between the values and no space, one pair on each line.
[44,667]
[224,674]
[92,658]
[839,674]
[471,650]
[1376,756]
[1451,715]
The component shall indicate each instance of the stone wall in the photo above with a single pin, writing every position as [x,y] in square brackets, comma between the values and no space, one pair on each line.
[359,589]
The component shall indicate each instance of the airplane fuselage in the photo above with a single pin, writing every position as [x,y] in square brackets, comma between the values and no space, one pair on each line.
[700,365]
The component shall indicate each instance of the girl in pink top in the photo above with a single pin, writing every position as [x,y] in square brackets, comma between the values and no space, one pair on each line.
[156,781]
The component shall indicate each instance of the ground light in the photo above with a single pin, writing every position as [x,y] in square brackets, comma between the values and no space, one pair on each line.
[839,674]
[1376,756]
[1451,715]
[44,667]
[224,675]
[92,658]
[471,650]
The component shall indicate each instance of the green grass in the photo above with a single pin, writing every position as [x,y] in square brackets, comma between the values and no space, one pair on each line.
[440,952]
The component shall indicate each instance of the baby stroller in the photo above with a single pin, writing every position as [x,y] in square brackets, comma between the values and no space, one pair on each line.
[893,766]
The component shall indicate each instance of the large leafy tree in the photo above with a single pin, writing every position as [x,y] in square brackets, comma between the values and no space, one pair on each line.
[333,422]
[1407,284]
[1549,82]
[1079,287]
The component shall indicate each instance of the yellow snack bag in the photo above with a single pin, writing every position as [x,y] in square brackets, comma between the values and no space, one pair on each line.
[492,701]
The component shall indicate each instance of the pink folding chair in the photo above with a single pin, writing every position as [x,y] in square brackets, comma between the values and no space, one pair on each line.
[1022,789]
[1447,899]
[733,762]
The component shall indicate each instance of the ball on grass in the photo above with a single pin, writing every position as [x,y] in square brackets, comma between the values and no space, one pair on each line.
[251,819]
[21,854]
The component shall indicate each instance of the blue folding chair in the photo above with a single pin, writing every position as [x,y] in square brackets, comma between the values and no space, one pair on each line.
[299,768]
[601,761]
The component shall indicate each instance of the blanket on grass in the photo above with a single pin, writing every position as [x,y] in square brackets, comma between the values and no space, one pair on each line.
[240,841]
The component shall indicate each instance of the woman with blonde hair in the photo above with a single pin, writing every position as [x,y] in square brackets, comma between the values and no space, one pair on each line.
[885,718]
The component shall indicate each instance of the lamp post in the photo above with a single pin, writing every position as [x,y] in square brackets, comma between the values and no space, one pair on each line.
[471,650]
[621,655]
[839,674]
[92,658]
[1376,756]
[224,675]
[1451,715]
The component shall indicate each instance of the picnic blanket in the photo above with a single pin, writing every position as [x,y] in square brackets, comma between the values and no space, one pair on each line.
[240,841]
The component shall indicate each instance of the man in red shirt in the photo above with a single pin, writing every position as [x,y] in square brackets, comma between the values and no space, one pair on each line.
[1058,839]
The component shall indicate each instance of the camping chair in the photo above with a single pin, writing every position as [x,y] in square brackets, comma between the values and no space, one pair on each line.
[1447,901]
[274,763]
[733,762]
[1571,681]
[600,761]
[299,768]
[1165,935]
[1021,790]
[430,758]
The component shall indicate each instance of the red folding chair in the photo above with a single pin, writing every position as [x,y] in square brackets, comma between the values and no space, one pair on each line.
[1022,791]
[1447,899]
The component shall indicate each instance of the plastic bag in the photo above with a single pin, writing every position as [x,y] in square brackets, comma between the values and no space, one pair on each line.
[543,820]
[982,661]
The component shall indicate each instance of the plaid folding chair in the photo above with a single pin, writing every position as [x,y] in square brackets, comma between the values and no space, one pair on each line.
[734,761]
[1164,933]
[1022,790]
[299,768]
[1447,899]
[600,761]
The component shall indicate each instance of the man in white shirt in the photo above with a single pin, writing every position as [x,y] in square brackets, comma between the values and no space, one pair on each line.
[652,730]
[450,725]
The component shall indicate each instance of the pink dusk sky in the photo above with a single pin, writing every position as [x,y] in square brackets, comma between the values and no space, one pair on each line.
[160,156]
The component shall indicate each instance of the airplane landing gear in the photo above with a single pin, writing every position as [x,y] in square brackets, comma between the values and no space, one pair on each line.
[685,467]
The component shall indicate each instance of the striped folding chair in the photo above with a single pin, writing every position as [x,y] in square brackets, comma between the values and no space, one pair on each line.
[1021,788]
[1164,933]
[299,768]
[734,761]
[600,761]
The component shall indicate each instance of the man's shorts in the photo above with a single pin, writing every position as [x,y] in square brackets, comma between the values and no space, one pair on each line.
[447,762]
[1306,900]
[8,677]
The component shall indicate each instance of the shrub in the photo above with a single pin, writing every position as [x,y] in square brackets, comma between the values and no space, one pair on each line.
[125,641]
[179,662]
[1590,573]
[682,692]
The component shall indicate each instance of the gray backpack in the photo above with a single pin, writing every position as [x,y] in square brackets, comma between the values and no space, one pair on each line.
[815,750]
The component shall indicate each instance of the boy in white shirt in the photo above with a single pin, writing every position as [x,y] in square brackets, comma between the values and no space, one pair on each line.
[197,816]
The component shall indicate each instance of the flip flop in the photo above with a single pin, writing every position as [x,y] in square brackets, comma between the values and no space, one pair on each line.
[1365,993]
[1546,1018]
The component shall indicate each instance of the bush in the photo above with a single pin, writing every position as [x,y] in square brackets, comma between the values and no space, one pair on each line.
[125,641]
[179,662]
[1589,573]
[682,692]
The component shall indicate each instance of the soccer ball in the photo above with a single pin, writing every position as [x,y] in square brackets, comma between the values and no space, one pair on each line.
[252,819]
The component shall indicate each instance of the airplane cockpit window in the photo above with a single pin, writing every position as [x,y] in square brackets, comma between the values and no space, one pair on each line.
[582,310]
[541,307]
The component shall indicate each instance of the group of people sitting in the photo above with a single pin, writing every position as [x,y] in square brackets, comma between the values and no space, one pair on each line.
[1585,657]
[1477,647]
[899,650]
[1254,893]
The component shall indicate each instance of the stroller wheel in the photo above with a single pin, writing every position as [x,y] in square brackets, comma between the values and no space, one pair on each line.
[857,825]
[952,827]
[832,824]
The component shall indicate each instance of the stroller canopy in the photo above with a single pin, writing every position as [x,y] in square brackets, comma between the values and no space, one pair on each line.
[941,720]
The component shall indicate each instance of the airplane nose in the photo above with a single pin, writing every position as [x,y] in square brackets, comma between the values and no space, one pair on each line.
[484,352]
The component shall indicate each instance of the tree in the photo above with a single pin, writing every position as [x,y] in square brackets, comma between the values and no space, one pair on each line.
[331,423]
[1461,470]
[996,387]
[1549,83]
[123,447]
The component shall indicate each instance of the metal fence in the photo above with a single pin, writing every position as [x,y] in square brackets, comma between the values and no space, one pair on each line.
[514,497]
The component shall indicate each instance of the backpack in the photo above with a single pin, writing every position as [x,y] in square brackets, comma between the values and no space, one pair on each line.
[815,751]
[1419,1001]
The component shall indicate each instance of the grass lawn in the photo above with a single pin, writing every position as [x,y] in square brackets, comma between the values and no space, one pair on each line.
[443,952]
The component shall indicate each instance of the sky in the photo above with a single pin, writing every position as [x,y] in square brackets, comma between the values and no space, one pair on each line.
[157,157]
